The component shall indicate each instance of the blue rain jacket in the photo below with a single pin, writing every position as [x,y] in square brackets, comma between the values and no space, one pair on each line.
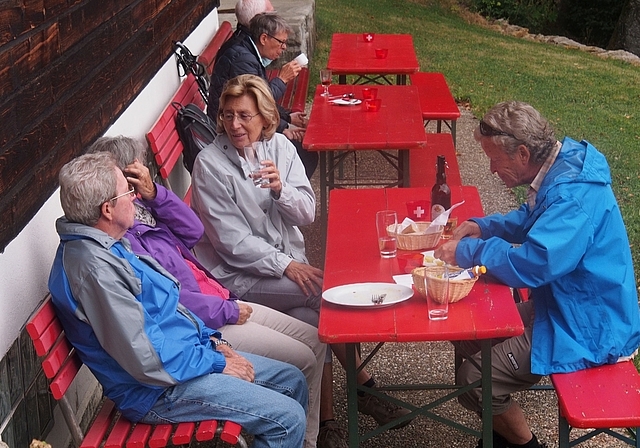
[572,250]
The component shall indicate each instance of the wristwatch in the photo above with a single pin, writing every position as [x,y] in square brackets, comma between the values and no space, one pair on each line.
[218,342]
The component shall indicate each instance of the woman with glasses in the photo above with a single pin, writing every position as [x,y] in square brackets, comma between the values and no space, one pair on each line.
[249,52]
[252,244]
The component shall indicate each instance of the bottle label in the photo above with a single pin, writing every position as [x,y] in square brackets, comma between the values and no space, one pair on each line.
[436,210]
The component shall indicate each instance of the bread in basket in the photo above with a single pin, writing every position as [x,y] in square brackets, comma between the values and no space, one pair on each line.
[414,238]
[437,285]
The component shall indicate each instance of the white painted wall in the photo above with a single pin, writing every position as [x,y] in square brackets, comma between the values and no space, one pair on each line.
[26,261]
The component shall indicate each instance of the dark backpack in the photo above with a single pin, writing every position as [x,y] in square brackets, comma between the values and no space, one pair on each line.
[195,129]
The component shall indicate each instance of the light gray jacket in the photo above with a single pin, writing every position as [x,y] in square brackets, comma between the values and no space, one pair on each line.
[248,232]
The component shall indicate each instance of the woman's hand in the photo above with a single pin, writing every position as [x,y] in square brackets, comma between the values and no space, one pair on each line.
[308,278]
[139,178]
[245,312]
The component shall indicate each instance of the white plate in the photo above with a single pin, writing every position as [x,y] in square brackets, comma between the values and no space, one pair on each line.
[359,294]
[351,102]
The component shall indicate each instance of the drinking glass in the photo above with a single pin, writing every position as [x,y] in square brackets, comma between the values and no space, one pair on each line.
[254,154]
[325,80]
[386,224]
[438,308]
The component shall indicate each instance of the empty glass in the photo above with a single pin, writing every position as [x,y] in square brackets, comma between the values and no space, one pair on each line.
[254,154]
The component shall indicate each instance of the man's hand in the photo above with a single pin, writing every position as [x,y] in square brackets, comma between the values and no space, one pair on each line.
[139,178]
[294,133]
[467,228]
[289,71]
[236,365]
[299,119]
[245,312]
[308,278]
[447,252]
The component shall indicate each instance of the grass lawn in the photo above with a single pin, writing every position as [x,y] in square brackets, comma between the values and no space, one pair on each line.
[584,96]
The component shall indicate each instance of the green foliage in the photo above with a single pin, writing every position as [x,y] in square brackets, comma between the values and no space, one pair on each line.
[537,15]
[590,21]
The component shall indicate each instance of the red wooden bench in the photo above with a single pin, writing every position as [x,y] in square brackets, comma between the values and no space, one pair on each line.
[436,101]
[61,364]
[422,162]
[295,96]
[599,398]
[163,137]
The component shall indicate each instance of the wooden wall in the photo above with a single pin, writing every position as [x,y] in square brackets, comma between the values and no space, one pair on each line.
[68,69]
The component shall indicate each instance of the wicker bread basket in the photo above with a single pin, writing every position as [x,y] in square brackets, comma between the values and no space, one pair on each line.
[436,285]
[417,240]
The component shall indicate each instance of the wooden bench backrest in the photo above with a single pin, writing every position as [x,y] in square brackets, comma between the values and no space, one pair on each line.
[208,55]
[163,137]
[295,96]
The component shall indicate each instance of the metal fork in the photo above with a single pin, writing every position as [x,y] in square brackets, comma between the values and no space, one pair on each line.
[378,298]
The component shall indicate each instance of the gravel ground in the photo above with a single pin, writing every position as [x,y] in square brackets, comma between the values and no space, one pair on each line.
[413,361]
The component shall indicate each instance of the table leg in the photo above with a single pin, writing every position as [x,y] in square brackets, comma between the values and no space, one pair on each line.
[342,79]
[403,162]
[401,80]
[352,397]
[323,195]
[487,411]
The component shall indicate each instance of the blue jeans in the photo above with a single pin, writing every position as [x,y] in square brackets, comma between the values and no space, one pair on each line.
[272,408]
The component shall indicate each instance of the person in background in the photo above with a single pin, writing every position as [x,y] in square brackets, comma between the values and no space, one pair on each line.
[166,229]
[252,244]
[568,244]
[250,53]
[247,9]
[155,359]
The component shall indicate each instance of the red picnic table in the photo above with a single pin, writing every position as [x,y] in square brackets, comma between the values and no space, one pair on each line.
[351,54]
[352,256]
[396,126]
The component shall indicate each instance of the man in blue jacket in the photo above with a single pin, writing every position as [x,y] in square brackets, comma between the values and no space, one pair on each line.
[156,360]
[568,244]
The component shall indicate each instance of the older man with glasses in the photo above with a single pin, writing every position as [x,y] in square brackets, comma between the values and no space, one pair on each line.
[249,52]
[568,244]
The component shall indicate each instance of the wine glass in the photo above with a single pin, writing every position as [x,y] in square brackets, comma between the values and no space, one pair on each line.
[325,79]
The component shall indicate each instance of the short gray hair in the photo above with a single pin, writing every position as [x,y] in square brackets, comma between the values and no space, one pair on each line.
[524,126]
[87,182]
[247,9]
[125,150]
[268,23]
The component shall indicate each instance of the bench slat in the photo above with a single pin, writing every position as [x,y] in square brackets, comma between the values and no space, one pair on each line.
[206,430]
[118,434]
[65,377]
[41,319]
[160,436]
[139,436]
[183,433]
[93,438]
[208,55]
[230,432]
[56,358]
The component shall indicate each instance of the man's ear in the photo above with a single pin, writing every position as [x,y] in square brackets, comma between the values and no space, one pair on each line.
[523,154]
[263,39]
[106,210]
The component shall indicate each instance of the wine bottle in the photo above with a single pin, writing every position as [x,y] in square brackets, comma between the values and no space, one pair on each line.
[440,193]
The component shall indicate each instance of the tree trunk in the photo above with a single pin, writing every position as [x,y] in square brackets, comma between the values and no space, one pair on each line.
[626,35]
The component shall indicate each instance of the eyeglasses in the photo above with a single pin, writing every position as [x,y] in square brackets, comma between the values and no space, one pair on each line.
[488,131]
[283,43]
[242,116]
[131,192]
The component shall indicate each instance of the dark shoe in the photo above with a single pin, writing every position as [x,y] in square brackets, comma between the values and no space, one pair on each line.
[331,435]
[382,411]
[498,441]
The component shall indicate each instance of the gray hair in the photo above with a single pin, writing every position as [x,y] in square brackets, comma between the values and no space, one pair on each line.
[247,9]
[125,150]
[518,124]
[87,182]
[268,23]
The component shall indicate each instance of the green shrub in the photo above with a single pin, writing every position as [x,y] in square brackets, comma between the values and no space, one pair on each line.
[536,15]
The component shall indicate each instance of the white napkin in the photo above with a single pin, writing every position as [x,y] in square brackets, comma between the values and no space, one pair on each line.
[443,217]
[404,279]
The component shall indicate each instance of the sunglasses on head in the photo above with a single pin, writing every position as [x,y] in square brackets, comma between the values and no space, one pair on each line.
[488,131]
